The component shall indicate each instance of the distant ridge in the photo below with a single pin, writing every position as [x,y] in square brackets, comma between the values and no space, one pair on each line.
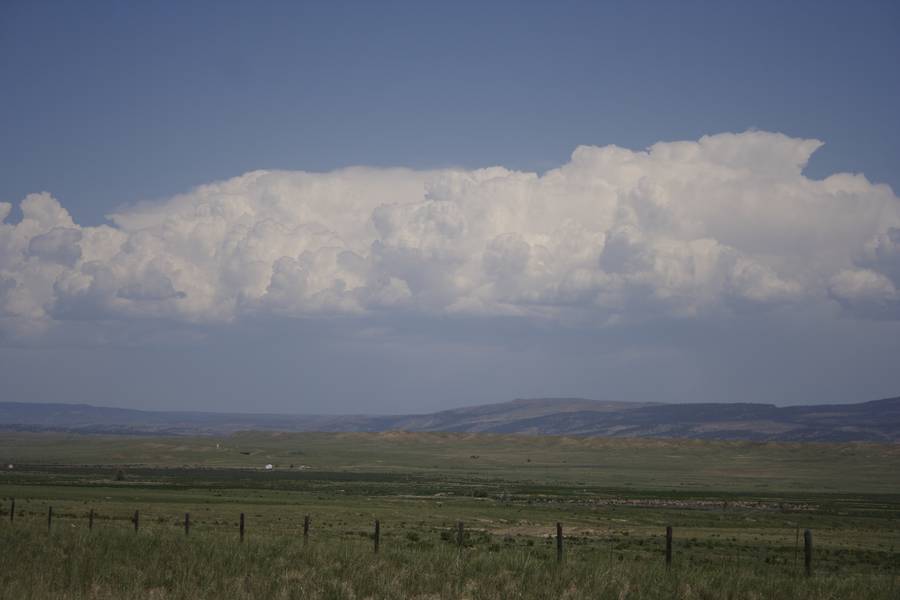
[874,421]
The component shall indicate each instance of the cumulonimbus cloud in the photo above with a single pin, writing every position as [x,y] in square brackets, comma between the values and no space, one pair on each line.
[724,224]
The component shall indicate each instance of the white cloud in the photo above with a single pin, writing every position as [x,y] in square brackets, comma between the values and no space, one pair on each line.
[725,224]
[866,292]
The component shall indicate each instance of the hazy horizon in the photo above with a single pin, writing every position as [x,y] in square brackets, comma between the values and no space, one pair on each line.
[390,414]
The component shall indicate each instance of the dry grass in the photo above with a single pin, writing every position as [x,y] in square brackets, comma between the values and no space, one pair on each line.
[79,565]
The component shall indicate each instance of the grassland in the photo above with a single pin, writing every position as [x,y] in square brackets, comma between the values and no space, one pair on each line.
[735,507]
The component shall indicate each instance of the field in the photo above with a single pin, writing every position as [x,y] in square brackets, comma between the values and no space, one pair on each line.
[737,510]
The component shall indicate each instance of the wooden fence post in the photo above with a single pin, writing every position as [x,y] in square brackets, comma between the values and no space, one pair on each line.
[807,551]
[242,527]
[187,523]
[668,546]
[377,535]
[460,534]
[559,542]
[91,520]
[12,510]
[305,529]
[49,518]
[609,533]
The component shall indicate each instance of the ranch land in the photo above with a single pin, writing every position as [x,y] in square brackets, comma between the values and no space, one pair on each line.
[738,512]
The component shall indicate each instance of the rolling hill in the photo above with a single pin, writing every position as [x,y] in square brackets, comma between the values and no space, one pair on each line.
[875,421]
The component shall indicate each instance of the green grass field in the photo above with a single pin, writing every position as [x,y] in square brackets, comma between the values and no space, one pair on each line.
[735,508]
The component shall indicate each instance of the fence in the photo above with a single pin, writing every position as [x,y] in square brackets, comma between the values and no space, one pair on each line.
[460,534]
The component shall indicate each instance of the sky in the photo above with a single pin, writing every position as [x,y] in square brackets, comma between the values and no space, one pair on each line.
[410,206]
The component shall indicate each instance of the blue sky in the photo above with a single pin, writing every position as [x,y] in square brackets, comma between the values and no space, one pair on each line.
[111,105]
